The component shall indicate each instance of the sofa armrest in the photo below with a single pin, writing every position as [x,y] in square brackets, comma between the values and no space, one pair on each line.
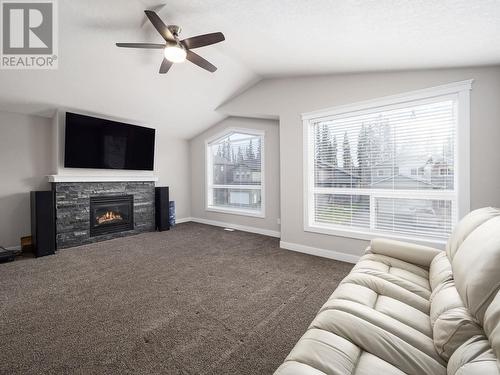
[405,251]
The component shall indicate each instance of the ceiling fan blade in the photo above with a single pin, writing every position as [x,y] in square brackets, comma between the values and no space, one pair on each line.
[203,40]
[160,26]
[200,61]
[141,45]
[165,66]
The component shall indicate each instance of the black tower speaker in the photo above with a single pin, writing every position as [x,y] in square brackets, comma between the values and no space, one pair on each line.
[43,222]
[162,209]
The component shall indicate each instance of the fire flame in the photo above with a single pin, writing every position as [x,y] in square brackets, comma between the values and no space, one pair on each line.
[108,217]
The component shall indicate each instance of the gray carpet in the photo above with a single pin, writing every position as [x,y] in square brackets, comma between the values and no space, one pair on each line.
[195,300]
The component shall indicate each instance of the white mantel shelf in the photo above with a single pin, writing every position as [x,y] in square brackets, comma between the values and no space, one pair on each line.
[76,178]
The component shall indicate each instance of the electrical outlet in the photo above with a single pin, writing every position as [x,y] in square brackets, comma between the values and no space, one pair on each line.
[278,220]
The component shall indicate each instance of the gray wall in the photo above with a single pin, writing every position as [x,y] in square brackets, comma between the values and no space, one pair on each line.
[288,98]
[271,154]
[30,150]
[172,162]
[25,161]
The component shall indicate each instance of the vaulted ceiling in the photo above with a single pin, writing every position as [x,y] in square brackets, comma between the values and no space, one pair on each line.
[263,38]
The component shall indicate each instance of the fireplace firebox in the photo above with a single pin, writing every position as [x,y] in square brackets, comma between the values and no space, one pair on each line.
[111,214]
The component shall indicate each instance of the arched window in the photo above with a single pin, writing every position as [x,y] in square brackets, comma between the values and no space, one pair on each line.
[231,158]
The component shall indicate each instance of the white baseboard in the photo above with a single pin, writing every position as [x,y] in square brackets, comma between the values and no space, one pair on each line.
[243,228]
[330,254]
[183,220]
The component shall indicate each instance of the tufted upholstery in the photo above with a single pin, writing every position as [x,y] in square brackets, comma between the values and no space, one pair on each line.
[408,309]
[466,226]
[476,267]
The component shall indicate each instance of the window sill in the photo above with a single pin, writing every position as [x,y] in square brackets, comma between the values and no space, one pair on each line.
[369,235]
[258,214]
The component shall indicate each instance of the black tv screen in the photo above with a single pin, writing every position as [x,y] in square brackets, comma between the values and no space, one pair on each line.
[92,142]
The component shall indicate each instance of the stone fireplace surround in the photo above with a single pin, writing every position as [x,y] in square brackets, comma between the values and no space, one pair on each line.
[73,206]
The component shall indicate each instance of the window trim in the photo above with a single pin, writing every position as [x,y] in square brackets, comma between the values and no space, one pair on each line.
[236,211]
[459,89]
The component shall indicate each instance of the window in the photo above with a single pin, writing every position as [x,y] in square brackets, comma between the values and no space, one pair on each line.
[361,164]
[235,163]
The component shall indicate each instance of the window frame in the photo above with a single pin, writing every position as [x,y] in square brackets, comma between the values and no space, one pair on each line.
[459,90]
[209,170]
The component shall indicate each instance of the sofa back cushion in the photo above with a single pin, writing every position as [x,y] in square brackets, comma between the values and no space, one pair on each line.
[476,266]
[466,226]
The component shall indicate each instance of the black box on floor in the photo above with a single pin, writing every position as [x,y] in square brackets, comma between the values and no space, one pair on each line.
[7,255]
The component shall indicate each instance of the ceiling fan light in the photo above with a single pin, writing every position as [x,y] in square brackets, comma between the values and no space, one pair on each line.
[175,53]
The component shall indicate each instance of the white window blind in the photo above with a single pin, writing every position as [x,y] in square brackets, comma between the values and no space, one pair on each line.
[385,170]
[235,173]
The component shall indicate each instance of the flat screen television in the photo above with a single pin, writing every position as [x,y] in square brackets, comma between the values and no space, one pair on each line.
[92,142]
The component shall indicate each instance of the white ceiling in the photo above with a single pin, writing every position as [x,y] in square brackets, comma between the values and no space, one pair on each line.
[263,38]
[291,37]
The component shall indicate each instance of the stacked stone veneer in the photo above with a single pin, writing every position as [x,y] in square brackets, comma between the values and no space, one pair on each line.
[73,209]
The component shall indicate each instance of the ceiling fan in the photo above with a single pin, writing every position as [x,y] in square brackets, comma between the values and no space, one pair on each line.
[175,50]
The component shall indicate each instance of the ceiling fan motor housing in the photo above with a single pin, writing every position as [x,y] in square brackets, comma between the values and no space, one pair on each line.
[175,29]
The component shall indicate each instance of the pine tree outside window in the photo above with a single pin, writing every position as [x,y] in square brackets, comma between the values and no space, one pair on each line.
[393,167]
[235,173]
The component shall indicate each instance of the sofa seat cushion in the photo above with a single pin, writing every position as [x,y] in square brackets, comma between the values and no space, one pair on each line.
[382,336]
[389,306]
[405,314]
[373,320]
[381,286]
[406,275]
[321,352]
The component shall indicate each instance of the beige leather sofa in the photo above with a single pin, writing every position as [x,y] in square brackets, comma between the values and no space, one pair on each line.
[408,309]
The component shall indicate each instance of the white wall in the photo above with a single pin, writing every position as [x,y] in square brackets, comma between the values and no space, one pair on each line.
[25,161]
[288,98]
[271,166]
